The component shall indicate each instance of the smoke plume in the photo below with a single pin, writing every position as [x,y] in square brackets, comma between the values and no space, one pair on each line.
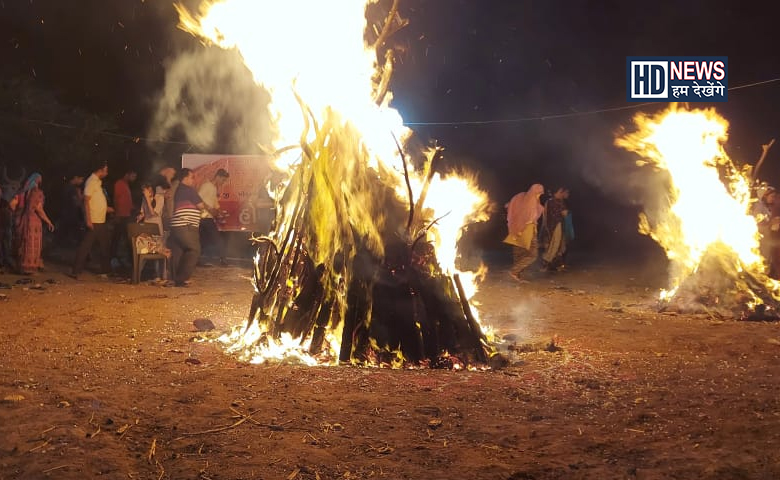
[211,101]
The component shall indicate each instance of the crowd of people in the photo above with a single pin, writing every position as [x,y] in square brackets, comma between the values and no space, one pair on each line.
[541,225]
[538,223]
[89,217]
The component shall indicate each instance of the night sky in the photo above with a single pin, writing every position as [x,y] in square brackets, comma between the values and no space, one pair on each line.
[460,61]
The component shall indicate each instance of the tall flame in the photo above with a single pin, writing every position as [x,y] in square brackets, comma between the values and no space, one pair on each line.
[708,202]
[315,53]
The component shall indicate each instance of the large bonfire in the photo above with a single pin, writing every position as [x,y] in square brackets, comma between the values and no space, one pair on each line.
[705,226]
[361,264]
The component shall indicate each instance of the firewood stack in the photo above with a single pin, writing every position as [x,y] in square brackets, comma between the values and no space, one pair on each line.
[350,263]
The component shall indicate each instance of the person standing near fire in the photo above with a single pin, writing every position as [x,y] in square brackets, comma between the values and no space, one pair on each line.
[29,228]
[554,230]
[185,236]
[523,212]
[762,211]
[95,210]
[71,222]
[209,231]
[769,224]
[123,210]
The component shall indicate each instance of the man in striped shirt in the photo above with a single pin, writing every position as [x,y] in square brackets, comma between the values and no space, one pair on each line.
[185,236]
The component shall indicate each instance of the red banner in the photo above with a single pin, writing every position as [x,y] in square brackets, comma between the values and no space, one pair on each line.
[243,198]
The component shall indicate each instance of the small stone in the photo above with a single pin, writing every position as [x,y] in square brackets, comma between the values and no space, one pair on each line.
[203,324]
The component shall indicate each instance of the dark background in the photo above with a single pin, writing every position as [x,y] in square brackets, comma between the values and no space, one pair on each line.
[82,80]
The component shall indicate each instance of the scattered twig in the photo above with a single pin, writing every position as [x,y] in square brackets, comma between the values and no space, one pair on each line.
[162,469]
[272,426]
[40,446]
[244,418]
[56,468]
[123,431]
[152,450]
[384,450]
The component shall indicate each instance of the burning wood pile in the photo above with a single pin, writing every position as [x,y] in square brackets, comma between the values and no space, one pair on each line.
[361,264]
[350,264]
[705,224]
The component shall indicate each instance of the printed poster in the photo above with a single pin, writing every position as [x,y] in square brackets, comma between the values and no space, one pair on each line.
[243,198]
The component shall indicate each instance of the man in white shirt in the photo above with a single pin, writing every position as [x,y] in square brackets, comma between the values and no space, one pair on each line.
[95,210]
[209,232]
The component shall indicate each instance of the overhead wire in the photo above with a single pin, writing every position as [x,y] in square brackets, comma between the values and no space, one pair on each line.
[566,115]
[139,138]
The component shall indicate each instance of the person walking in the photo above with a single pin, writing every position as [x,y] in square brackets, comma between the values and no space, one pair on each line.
[95,210]
[71,221]
[523,212]
[185,222]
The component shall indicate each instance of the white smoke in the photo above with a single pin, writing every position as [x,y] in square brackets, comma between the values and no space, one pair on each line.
[210,101]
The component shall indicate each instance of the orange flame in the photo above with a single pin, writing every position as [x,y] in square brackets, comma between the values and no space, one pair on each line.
[321,57]
[708,198]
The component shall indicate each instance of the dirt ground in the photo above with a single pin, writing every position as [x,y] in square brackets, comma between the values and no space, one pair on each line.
[110,380]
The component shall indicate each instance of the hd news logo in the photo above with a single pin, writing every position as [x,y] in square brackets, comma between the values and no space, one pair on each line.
[677,79]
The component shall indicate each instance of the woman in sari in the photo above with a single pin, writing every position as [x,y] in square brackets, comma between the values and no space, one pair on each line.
[29,225]
[523,213]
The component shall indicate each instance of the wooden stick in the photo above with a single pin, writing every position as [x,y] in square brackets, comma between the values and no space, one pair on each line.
[152,450]
[384,83]
[765,149]
[39,446]
[408,185]
[56,468]
[431,171]
[476,331]
[386,27]
[425,230]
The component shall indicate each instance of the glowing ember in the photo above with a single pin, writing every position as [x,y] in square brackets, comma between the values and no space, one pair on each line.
[343,250]
[706,216]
